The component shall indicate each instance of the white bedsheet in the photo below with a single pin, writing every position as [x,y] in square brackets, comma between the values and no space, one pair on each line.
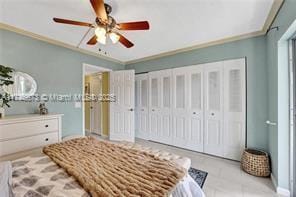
[188,188]
[5,179]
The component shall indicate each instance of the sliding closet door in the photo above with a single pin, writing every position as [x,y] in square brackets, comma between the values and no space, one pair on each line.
[142,109]
[180,105]
[234,108]
[154,105]
[213,129]
[195,108]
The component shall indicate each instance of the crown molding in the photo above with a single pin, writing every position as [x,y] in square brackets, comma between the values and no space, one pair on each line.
[55,42]
[276,6]
[268,22]
[198,46]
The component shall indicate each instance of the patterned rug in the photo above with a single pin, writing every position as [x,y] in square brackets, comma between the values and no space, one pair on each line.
[198,175]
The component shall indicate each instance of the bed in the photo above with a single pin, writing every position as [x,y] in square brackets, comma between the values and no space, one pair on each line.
[39,175]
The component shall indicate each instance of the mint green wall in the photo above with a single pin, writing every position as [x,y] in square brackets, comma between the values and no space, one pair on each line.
[277,93]
[255,51]
[55,69]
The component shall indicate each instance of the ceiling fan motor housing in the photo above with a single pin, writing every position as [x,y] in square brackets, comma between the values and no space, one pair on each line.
[111,23]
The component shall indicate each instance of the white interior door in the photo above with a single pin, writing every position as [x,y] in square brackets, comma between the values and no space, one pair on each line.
[154,106]
[234,108]
[142,107]
[95,108]
[122,114]
[213,129]
[195,108]
[180,105]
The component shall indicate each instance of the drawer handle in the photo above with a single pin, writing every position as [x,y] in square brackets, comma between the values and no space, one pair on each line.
[46,139]
[46,125]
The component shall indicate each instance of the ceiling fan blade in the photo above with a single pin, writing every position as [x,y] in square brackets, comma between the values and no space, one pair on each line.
[140,25]
[93,40]
[123,40]
[70,22]
[99,7]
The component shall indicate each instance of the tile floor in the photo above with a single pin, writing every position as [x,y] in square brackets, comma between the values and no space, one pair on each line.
[225,178]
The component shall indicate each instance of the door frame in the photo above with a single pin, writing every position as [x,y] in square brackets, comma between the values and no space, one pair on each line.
[292,89]
[85,69]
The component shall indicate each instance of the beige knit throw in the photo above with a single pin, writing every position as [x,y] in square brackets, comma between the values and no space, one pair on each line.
[106,169]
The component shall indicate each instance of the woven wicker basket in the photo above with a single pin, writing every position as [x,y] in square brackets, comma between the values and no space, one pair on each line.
[256,162]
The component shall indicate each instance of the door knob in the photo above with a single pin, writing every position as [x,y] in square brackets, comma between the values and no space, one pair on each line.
[131,109]
[212,114]
[153,109]
[142,109]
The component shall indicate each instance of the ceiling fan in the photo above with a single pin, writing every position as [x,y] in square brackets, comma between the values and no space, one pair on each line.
[105,25]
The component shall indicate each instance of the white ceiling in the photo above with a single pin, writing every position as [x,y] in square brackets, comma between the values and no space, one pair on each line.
[174,24]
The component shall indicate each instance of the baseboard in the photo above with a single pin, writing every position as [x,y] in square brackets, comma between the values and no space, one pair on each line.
[273,180]
[283,191]
[104,136]
[279,190]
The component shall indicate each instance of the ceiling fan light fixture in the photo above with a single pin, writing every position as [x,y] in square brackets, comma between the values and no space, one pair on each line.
[114,37]
[100,31]
[102,39]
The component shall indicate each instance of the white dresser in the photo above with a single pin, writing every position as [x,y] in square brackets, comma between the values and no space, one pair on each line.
[24,132]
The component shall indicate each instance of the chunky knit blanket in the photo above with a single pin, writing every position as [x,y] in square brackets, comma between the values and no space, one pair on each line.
[106,169]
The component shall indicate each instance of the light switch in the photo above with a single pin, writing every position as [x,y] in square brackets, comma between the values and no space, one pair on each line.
[77,104]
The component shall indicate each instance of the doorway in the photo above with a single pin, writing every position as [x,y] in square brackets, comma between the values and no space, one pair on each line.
[116,118]
[95,111]
[93,108]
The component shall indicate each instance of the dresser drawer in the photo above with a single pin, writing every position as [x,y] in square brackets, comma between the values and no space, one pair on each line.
[29,128]
[22,144]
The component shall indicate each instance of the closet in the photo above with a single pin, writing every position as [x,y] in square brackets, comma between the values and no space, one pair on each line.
[200,108]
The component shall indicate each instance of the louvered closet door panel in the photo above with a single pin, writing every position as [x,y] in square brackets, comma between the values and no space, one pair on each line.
[143,118]
[195,108]
[213,128]
[180,104]
[154,106]
[234,108]
[166,133]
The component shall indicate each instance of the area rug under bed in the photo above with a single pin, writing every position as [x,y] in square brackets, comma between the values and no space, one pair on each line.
[198,175]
